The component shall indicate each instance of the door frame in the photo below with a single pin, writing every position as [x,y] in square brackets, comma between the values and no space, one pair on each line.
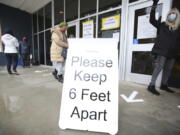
[134,77]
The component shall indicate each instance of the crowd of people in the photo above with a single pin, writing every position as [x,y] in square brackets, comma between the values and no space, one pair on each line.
[164,51]
[13,50]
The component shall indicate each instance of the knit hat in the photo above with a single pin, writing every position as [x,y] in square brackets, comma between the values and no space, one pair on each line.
[63,24]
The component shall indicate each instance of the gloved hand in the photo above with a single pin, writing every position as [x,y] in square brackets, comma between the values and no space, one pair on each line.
[155,2]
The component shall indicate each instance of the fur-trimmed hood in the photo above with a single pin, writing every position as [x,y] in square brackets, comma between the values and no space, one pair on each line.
[177,22]
[56,30]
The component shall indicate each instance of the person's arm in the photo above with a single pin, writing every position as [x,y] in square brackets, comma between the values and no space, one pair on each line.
[3,45]
[16,43]
[153,20]
[59,41]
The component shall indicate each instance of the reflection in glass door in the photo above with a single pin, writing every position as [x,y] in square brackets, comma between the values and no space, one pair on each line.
[73,30]
[48,46]
[41,48]
[36,52]
[112,30]
[141,37]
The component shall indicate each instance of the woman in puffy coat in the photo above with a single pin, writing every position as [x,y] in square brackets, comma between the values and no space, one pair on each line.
[59,41]
[166,47]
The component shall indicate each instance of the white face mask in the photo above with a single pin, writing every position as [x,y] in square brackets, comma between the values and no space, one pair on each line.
[171,17]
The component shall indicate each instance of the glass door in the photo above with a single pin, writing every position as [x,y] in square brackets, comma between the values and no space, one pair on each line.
[1,49]
[141,36]
[73,30]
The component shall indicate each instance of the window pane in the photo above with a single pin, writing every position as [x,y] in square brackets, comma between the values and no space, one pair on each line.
[35,23]
[106,4]
[58,11]
[48,16]
[130,1]
[111,32]
[35,59]
[141,35]
[48,45]
[87,7]
[41,19]
[71,32]
[142,63]
[71,10]
[41,47]
[90,31]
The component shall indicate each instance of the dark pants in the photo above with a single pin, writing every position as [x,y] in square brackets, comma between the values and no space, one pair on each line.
[26,60]
[165,64]
[12,58]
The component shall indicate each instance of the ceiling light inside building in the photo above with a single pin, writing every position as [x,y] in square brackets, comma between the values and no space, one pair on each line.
[61,12]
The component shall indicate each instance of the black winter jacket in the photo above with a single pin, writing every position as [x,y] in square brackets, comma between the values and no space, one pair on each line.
[167,42]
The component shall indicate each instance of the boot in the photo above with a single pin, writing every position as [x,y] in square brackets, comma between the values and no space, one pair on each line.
[60,78]
[14,70]
[153,90]
[9,72]
[54,73]
[165,88]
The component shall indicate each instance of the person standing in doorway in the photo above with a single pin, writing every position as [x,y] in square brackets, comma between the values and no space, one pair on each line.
[24,50]
[166,47]
[11,50]
[59,42]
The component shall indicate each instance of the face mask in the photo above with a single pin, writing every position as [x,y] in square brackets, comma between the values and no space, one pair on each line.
[172,17]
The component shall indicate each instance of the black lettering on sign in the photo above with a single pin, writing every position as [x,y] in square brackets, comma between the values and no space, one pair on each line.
[72,93]
[78,75]
[75,112]
[91,115]
[84,62]
[81,76]
[74,60]
[94,96]
[94,63]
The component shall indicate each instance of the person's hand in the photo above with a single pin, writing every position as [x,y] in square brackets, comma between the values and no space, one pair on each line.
[155,2]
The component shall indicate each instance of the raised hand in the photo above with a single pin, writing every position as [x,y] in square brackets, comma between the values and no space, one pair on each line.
[155,2]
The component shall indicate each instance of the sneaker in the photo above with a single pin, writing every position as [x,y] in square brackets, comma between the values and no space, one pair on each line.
[153,90]
[165,88]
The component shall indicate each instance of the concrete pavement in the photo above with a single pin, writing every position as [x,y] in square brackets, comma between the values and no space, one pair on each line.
[30,103]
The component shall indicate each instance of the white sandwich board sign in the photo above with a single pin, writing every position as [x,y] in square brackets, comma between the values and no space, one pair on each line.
[90,92]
